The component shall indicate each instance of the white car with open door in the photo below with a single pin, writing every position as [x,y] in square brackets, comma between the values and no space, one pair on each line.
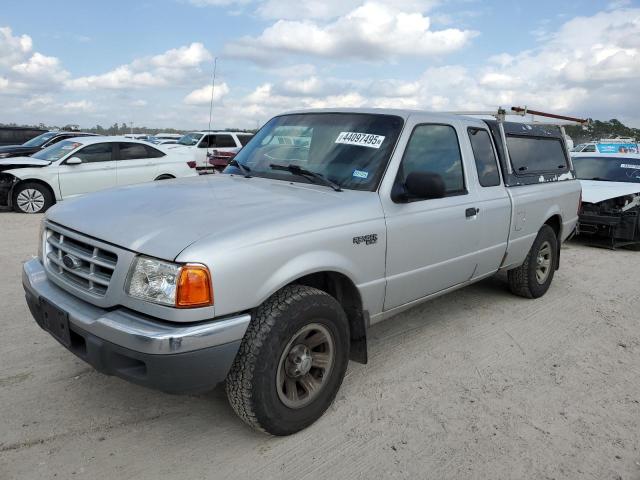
[82,165]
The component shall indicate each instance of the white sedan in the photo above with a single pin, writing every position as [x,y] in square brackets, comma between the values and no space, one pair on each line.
[82,165]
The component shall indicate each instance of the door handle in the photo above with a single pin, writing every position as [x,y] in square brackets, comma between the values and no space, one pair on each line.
[471,212]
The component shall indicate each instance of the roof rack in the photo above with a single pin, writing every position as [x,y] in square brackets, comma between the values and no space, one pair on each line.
[500,116]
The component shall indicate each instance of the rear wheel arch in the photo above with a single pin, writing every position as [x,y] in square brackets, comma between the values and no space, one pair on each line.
[164,176]
[555,222]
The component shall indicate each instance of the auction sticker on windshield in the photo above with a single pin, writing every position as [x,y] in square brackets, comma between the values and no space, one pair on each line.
[629,165]
[361,139]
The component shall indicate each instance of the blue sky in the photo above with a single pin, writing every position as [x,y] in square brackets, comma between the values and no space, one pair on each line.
[150,62]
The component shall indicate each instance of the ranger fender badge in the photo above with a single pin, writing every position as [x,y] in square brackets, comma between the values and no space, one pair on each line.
[366,239]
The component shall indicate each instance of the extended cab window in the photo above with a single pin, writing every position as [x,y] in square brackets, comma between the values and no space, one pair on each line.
[536,154]
[434,149]
[98,152]
[131,151]
[485,157]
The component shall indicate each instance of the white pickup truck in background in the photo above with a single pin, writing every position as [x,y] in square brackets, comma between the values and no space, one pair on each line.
[271,282]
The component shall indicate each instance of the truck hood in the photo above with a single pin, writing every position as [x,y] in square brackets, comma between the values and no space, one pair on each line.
[21,162]
[161,219]
[595,191]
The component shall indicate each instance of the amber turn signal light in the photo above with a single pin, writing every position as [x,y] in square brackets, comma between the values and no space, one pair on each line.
[194,287]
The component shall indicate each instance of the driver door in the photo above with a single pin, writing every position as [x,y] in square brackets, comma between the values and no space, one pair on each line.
[431,243]
[96,172]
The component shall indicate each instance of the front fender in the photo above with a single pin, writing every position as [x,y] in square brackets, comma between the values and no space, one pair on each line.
[306,264]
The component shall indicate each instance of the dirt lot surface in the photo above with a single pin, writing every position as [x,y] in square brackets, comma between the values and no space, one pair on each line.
[477,384]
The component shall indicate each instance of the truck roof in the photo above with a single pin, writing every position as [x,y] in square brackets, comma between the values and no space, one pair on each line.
[399,112]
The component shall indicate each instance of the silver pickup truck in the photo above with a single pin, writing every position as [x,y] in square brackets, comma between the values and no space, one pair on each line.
[268,276]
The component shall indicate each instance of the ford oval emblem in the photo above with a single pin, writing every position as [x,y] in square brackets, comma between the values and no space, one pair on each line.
[71,262]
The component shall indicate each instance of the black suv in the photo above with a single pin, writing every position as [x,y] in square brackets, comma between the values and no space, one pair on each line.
[38,143]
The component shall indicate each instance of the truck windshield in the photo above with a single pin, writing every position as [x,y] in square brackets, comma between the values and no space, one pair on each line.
[348,149]
[608,169]
[57,151]
[190,139]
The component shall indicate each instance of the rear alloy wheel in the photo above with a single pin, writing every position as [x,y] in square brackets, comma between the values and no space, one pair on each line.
[533,278]
[32,198]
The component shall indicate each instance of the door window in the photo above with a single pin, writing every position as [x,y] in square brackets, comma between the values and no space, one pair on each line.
[224,141]
[207,142]
[485,158]
[98,152]
[434,149]
[132,151]
[153,152]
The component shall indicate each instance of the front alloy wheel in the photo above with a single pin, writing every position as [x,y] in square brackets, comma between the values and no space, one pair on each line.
[31,198]
[305,365]
[291,361]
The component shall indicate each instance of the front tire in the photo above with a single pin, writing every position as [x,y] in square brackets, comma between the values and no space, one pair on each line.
[533,278]
[32,198]
[291,361]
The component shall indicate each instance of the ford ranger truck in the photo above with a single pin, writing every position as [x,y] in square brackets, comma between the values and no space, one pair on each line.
[267,277]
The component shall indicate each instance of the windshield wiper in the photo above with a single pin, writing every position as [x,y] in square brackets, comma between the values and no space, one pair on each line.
[303,172]
[246,171]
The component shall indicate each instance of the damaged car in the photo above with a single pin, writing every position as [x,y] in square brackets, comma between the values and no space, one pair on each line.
[610,198]
[82,165]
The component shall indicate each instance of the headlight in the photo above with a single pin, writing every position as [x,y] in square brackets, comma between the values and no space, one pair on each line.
[170,284]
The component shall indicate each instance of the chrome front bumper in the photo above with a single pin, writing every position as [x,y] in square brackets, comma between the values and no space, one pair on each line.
[174,358]
[129,329]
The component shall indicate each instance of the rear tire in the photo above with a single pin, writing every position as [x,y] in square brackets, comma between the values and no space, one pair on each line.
[32,197]
[291,361]
[533,278]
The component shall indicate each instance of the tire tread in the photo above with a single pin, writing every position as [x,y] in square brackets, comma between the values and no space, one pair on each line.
[240,377]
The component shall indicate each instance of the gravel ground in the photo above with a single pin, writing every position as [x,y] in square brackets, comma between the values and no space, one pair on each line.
[476,384]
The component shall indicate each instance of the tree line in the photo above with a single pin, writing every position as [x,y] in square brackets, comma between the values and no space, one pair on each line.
[597,129]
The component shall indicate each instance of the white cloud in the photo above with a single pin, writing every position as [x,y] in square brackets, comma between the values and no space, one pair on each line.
[373,31]
[593,75]
[169,68]
[13,49]
[331,9]
[203,95]
[81,106]
[22,70]
[39,67]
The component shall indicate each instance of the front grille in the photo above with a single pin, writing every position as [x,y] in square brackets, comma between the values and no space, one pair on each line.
[89,267]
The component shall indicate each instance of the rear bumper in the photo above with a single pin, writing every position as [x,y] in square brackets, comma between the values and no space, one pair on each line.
[170,357]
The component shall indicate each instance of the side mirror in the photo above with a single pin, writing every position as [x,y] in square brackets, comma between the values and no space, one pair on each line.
[425,185]
[73,161]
